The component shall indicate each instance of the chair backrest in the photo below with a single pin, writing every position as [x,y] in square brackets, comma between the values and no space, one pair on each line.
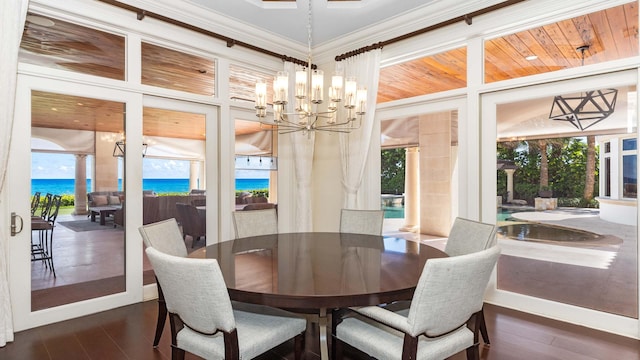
[195,290]
[192,223]
[54,207]
[199,202]
[255,222]
[35,201]
[449,291]
[164,236]
[46,206]
[468,236]
[259,206]
[361,221]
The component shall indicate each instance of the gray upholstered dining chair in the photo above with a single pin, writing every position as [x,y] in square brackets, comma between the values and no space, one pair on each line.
[361,221]
[255,222]
[466,237]
[164,236]
[441,321]
[205,323]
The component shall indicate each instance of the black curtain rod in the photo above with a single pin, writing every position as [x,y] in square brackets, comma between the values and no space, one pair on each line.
[141,14]
[468,18]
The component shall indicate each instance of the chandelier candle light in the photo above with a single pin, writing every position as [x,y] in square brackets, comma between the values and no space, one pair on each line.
[309,93]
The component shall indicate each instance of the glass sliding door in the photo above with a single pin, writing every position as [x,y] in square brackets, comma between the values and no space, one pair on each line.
[563,196]
[174,173]
[78,262]
[80,255]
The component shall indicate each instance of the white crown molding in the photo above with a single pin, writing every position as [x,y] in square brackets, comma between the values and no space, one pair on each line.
[208,20]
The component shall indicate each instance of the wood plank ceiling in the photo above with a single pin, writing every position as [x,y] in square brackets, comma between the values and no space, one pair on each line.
[610,34]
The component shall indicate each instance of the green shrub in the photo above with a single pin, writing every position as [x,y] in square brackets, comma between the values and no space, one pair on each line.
[578,203]
[254,193]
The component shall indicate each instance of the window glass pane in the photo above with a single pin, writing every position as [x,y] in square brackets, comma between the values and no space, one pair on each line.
[171,69]
[629,176]
[607,147]
[548,154]
[72,141]
[256,166]
[61,45]
[607,177]
[608,34]
[629,144]
[428,75]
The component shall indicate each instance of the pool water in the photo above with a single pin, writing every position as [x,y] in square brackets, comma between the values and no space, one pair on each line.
[393,212]
[505,214]
[550,233]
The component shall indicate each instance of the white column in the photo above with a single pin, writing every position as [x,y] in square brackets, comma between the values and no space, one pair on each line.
[194,168]
[510,184]
[411,190]
[80,187]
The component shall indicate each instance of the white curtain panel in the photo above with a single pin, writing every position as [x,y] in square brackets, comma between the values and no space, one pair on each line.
[354,146]
[12,15]
[302,145]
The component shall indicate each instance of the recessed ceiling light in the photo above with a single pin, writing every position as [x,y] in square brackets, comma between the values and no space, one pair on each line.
[40,20]
[531,57]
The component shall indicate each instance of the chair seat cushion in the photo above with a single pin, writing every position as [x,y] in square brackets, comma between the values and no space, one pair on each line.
[383,342]
[259,330]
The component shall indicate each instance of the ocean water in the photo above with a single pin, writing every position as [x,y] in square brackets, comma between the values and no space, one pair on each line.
[66,186]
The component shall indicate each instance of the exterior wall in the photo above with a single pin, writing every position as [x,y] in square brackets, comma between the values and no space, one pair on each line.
[619,211]
[615,208]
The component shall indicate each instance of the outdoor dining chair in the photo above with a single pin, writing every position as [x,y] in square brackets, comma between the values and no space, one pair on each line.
[164,236]
[442,319]
[193,224]
[42,248]
[204,322]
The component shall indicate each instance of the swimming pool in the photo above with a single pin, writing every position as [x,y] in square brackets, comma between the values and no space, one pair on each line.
[504,214]
[554,234]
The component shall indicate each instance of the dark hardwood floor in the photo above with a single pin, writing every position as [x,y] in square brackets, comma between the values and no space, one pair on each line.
[127,333]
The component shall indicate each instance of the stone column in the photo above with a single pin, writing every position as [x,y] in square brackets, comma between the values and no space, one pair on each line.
[194,167]
[510,184]
[411,190]
[80,187]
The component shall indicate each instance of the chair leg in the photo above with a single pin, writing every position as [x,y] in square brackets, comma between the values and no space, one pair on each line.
[177,353]
[337,349]
[473,353]
[298,342]
[162,317]
[483,328]
[50,254]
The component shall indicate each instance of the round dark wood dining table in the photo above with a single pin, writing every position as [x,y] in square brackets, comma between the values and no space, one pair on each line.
[317,270]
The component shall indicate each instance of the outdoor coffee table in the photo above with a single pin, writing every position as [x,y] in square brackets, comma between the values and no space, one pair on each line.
[103,212]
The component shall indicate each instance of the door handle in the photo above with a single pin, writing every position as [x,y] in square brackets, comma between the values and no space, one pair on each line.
[15,216]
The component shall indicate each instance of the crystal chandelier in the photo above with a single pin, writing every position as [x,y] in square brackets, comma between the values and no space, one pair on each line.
[309,94]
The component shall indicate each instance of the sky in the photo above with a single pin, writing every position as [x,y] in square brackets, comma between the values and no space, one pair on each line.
[62,166]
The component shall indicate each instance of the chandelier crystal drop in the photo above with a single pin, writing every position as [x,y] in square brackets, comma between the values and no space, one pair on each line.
[309,94]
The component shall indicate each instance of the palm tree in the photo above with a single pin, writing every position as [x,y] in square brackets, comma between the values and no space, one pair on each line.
[589,182]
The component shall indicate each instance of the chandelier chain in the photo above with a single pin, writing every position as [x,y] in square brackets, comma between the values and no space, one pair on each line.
[309,38]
